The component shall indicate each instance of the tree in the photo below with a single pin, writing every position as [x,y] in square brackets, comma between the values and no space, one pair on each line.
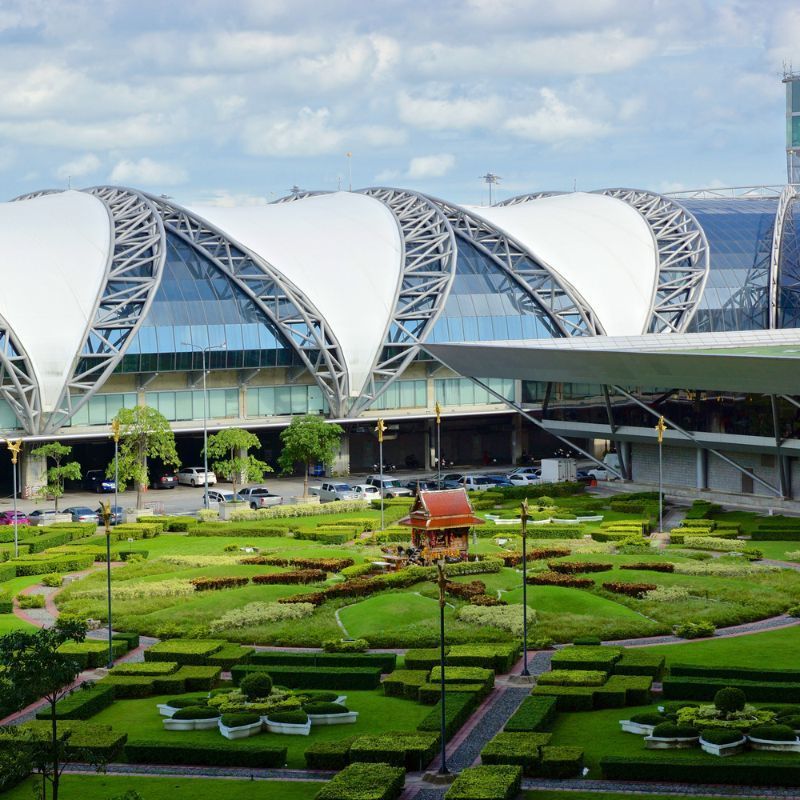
[59,472]
[308,438]
[32,666]
[143,433]
[229,449]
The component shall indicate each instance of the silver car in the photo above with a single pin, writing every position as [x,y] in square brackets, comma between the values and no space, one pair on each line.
[196,476]
[259,497]
[329,492]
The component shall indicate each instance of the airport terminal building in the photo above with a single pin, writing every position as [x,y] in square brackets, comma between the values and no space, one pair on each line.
[582,315]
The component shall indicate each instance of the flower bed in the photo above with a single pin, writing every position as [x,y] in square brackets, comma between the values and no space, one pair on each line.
[192,718]
[240,726]
[573,567]
[213,584]
[636,590]
[295,576]
[557,579]
[651,566]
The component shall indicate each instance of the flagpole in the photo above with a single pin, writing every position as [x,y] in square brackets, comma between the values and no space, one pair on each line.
[438,410]
[660,428]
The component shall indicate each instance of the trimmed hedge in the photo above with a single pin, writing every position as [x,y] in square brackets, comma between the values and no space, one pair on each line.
[82,703]
[561,762]
[586,657]
[689,688]
[740,673]
[31,565]
[184,651]
[199,678]
[405,683]
[568,698]
[314,677]
[333,754]
[424,658]
[201,754]
[573,677]
[86,739]
[384,661]
[521,749]
[761,770]
[499,657]
[458,708]
[429,693]
[230,654]
[764,534]
[92,653]
[409,749]
[535,714]
[486,782]
[463,675]
[640,662]
[130,638]
[146,668]
[365,782]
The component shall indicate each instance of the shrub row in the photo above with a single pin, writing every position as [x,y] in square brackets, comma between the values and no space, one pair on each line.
[539,554]
[640,662]
[486,782]
[691,688]
[87,741]
[458,709]
[588,657]
[413,750]
[572,567]
[162,751]
[82,703]
[535,714]
[741,673]
[557,579]
[184,651]
[365,782]
[383,661]
[293,576]
[298,677]
[326,564]
[517,749]
[222,582]
[41,566]
[636,590]
[651,566]
[618,691]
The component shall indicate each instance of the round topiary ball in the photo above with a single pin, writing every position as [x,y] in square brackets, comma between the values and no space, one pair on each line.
[729,699]
[256,684]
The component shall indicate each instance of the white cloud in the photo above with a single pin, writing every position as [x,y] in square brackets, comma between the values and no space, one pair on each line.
[226,199]
[434,166]
[311,133]
[438,113]
[78,167]
[555,121]
[145,171]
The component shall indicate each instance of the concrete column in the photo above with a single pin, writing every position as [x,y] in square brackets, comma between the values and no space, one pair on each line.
[626,451]
[702,468]
[430,444]
[341,463]
[242,401]
[516,438]
[32,471]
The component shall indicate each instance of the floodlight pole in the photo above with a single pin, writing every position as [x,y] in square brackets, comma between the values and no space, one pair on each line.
[442,581]
[14,446]
[524,518]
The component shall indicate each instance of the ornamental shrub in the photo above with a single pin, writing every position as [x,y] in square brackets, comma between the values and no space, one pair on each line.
[296,717]
[30,600]
[239,719]
[53,579]
[670,730]
[260,614]
[196,712]
[364,781]
[730,699]
[222,582]
[773,733]
[572,567]
[294,576]
[695,630]
[720,736]
[637,590]
[325,708]
[255,685]
[557,579]
[507,618]
[182,702]
[650,718]
[345,645]
[486,782]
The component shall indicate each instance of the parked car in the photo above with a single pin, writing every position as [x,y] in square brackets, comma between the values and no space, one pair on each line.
[391,487]
[95,480]
[499,480]
[81,514]
[220,496]
[475,483]
[601,474]
[453,477]
[582,476]
[422,485]
[196,476]
[363,491]
[259,497]
[116,515]
[7,518]
[163,480]
[329,492]
[42,516]
[523,479]
[533,471]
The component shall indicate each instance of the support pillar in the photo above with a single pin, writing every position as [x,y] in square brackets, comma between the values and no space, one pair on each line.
[430,444]
[625,454]
[32,471]
[516,439]
[341,463]
[701,461]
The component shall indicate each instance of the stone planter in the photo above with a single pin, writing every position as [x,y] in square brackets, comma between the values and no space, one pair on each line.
[634,727]
[190,724]
[347,718]
[226,509]
[731,749]
[777,747]
[240,731]
[133,514]
[659,743]
[166,710]
[597,518]
[288,728]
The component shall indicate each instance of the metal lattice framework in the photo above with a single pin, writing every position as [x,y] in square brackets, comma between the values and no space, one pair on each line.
[683,258]
[526,198]
[290,311]
[18,384]
[133,273]
[783,219]
[561,304]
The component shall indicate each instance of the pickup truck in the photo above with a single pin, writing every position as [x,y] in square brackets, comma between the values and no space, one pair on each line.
[328,492]
[259,497]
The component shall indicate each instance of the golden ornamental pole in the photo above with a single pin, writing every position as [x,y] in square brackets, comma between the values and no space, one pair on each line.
[661,426]
[15,445]
[379,429]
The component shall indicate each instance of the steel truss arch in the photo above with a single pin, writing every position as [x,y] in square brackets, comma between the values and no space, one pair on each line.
[18,384]
[525,198]
[782,217]
[132,275]
[286,306]
[569,313]
[683,258]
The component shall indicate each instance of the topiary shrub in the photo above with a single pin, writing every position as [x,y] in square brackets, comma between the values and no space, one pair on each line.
[672,707]
[345,645]
[196,712]
[773,733]
[325,708]
[648,719]
[183,702]
[288,717]
[317,697]
[255,685]
[793,721]
[53,579]
[669,730]
[588,641]
[729,700]
[720,736]
[239,719]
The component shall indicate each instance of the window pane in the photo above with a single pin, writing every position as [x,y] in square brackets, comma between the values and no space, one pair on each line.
[283,400]
[183,405]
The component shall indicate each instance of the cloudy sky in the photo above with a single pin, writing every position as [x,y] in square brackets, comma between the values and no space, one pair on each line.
[237,101]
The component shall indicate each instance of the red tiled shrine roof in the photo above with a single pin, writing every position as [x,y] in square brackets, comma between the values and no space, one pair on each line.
[448,508]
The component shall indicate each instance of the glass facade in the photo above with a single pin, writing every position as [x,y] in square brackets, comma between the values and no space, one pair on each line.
[463,392]
[789,270]
[739,233]
[486,305]
[402,394]
[279,401]
[197,304]
[102,408]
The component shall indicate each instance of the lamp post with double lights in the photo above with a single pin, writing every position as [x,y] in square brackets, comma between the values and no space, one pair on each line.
[204,350]
[524,517]
[441,580]
[438,409]
[107,511]
[660,428]
[379,429]
[15,445]
[115,435]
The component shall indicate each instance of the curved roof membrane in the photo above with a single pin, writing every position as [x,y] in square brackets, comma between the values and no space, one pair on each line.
[599,245]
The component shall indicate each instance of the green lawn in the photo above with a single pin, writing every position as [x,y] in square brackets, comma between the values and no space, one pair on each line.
[557,599]
[392,611]
[777,550]
[104,787]
[9,622]
[570,795]
[377,714]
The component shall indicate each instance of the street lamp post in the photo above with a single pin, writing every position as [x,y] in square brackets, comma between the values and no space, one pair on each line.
[442,582]
[438,410]
[660,428]
[115,434]
[524,518]
[204,350]
[14,446]
[107,523]
[379,429]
